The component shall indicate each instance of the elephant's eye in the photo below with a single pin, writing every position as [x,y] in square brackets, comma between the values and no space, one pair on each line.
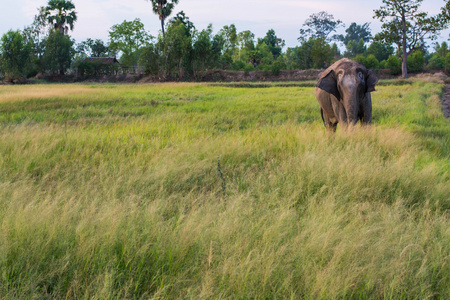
[361,76]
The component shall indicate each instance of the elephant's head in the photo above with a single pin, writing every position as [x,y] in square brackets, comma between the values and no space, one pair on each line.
[349,82]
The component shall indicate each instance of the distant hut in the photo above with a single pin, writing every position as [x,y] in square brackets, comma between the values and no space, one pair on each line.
[94,66]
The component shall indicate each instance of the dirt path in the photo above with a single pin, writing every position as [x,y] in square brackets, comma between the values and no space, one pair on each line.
[446,101]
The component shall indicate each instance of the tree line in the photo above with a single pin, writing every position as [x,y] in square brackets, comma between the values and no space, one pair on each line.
[183,52]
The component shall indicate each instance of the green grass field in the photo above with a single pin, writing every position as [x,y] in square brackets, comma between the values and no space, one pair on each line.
[197,191]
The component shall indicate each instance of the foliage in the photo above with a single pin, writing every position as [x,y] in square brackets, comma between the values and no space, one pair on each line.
[394,64]
[319,25]
[150,59]
[14,55]
[354,48]
[95,68]
[112,192]
[321,53]
[406,26]
[128,38]
[380,50]
[275,43]
[59,13]
[93,48]
[163,8]
[278,65]
[416,61]
[58,52]
[176,45]
[203,57]
[441,49]
[436,62]
[312,53]
[356,32]
[447,63]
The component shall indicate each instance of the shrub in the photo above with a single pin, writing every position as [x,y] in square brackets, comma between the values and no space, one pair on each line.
[278,65]
[415,62]
[383,64]
[238,65]
[447,63]
[394,64]
[372,62]
[248,68]
[360,58]
[436,62]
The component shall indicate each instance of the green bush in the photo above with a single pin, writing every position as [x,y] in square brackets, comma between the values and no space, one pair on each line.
[278,65]
[95,68]
[238,65]
[394,64]
[360,58]
[383,64]
[447,63]
[372,62]
[415,62]
[436,62]
[248,68]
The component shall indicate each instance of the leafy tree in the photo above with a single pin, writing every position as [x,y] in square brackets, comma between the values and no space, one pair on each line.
[246,42]
[436,62]
[264,54]
[319,25]
[275,43]
[356,32]
[203,56]
[442,49]
[14,55]
[278,65]
[150,60]
[230,37]
[416,61]
[128,38]
[380,50]
[406,26]
[321,54]
[93,48]
[182,18]
[58,52]
[61,13]
[447,63]
[355,47]
[176,46]
[394,64]
[372,62]
[163,8]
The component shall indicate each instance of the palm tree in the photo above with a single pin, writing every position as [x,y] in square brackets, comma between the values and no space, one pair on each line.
[59,13]
[163,8]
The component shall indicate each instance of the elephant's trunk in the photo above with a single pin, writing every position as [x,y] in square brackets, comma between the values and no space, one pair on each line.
[351,105]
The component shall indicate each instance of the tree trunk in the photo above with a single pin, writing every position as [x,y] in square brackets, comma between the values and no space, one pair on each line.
[162,25]
[405,55]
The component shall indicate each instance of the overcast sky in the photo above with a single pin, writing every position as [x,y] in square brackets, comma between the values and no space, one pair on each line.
[286,17]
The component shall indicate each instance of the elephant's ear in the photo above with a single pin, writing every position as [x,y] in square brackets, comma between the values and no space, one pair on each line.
[371,81]
[328,83]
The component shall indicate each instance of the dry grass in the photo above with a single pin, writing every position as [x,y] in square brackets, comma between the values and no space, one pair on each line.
[108,200]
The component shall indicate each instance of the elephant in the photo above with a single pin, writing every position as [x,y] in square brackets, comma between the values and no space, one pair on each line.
[343,92]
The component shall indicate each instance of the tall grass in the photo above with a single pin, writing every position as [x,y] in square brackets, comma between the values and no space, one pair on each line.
[113,191]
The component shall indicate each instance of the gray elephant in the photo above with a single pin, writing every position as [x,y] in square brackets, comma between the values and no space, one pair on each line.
[343,92]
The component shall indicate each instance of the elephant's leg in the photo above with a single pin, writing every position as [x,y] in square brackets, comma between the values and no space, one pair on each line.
[329,124]
[340,113]
[366,110]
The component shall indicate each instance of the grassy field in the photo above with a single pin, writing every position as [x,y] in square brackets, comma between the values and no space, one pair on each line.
[199,191]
